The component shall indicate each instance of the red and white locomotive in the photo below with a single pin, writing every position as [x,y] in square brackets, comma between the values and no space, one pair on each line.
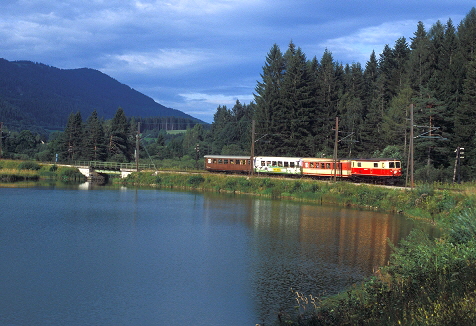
[365,170]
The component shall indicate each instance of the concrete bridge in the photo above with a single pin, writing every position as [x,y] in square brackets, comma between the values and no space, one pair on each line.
[96,169]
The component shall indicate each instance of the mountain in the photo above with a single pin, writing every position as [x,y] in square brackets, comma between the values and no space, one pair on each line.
[34,95]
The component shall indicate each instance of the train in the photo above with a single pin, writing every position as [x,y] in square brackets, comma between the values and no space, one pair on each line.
[374,170]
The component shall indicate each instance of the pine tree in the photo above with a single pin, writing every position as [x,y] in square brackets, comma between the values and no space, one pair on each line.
[371,113]
[294,122]
[420,64]
[73,138]
[328,81]
[269,102]
[465,117]
[351,109]
[119,147]
[94,147]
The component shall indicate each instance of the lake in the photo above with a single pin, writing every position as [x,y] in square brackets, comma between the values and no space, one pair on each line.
[90,255]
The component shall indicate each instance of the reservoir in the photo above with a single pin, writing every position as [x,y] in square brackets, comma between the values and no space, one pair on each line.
[90,255]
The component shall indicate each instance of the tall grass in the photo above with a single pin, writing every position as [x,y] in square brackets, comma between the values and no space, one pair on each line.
[13,171]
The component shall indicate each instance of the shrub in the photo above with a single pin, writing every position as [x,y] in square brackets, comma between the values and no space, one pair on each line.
[463,229]
[29,166]
[195,180]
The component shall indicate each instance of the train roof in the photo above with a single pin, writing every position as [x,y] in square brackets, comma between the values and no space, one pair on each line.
[233,157]
[324,159]
[276,158]
[374,159]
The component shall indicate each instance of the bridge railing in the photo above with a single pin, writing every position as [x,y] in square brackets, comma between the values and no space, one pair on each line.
[114,165]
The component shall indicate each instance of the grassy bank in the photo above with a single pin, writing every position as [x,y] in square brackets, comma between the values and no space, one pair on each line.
[427,281]
[426,201]
[13,171]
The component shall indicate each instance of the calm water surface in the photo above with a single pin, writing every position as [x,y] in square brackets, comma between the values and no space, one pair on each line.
[99,256]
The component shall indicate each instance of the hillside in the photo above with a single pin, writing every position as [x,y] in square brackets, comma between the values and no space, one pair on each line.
[34,95]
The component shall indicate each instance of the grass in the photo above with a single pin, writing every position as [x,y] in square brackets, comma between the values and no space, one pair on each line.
[13,171]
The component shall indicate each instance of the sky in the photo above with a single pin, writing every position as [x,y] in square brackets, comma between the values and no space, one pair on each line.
[194,55]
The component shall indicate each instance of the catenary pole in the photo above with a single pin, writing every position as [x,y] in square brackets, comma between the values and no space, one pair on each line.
[252,146]
[137,146]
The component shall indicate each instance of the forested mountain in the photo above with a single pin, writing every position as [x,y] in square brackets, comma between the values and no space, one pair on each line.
[35,96]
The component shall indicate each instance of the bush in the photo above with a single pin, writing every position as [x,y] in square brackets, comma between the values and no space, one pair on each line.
[195,180]
[29,166]
[463,229]
[70,174]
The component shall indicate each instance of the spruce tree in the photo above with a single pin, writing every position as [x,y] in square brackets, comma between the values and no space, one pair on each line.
[73,138]
[420,64]
[94,146]
[269,103]
[465,117]
[119,146]
[326,102]
[294,122]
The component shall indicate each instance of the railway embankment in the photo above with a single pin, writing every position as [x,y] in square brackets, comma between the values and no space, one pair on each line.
[423,202]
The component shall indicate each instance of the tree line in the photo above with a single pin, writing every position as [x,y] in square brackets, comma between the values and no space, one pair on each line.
[298,100]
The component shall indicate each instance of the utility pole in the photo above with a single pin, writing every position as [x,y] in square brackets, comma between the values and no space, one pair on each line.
[197,155]
[137,146]
[457,169]
[336,140]
[252,147]
[411,147]
[1,139]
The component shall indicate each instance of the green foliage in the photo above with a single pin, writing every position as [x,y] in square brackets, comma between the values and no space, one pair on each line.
[195,180]
[29,166]
[70,174]
[463,228]
[427,282]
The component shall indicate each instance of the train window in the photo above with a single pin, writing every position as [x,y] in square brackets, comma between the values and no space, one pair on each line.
[383,165]
[312,164]
[220,161]
[391,165]
[280,163]
[209,160]
[286,164]
[225,161]
[375,165]
[291,164]
[232,161]
[328,165]
[359,165]
[214,161]
[263,163]
[274,163]
[268,163]
[397,165]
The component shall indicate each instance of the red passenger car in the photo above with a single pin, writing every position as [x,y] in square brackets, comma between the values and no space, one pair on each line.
[376,169]
[326,167]
[228,163]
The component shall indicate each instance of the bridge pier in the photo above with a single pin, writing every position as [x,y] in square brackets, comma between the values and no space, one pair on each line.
[91,173]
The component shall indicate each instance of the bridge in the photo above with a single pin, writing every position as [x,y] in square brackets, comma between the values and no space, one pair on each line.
[94,169]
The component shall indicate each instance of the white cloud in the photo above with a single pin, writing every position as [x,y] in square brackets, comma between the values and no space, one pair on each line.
[166,59]
[359,45]
[216,99]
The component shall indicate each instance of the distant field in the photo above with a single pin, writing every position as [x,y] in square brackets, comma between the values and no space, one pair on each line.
[176,132]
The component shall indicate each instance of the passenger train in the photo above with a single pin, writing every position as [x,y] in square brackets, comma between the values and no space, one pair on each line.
[376,170]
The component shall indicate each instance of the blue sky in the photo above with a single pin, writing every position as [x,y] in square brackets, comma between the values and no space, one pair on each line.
[193,55]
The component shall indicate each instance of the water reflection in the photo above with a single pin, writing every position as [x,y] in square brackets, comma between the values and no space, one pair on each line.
[318,250]
[93,254]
